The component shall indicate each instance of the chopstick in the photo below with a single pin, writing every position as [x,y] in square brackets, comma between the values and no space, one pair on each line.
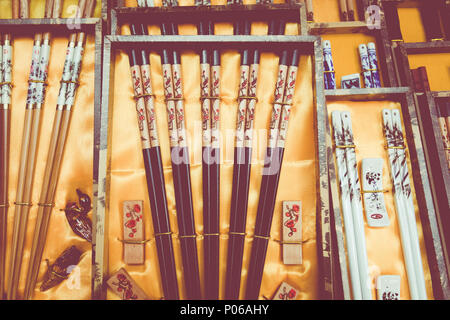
[61,123]
[35,100]
[180,165]
[154,168]
[271,174]
[210,74]
[238,217]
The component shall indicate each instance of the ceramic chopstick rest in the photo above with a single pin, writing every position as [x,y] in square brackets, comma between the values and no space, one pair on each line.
[388,287]
[286,292]
[372,189]
[77,216]
[125,287]
[133,232]
[292,232]
[350,81]
[61,268]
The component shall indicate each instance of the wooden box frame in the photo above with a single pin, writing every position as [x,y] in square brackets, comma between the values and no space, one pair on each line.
[433,243]
[291,12]
[92,26]
[306,44]
[435,154]
[385,53]
[332,253]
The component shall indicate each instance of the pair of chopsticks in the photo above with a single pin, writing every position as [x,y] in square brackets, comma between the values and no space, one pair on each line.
[30,138]
[35,101]
[284,91]
[145,101]
[210,101]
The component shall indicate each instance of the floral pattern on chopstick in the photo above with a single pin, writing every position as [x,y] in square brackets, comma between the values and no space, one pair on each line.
[279,89]
[243,90]
[6,65]
[149,105]
[215,107]
[373,179]
[206,117]
[170,105]
[136,78]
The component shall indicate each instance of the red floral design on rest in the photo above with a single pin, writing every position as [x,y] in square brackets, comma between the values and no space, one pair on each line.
[293,216]
[134,217]
[125,286]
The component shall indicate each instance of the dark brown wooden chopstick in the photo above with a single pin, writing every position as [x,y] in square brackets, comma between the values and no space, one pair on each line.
[273,164]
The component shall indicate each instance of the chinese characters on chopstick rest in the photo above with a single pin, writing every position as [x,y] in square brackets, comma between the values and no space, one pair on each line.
[292,232]
[369,65]
[375,208]
[351,204]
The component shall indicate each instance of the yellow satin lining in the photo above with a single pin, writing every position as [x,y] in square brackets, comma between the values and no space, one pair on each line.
[76,169]
[328,11]
[411,25]
[384,248]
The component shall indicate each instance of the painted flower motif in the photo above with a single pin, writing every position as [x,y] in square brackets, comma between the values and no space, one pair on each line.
[289,224]
[130,224]
[134,217]
[291,294]
[141,115]
[293,217]
[287,295]
[126,287]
